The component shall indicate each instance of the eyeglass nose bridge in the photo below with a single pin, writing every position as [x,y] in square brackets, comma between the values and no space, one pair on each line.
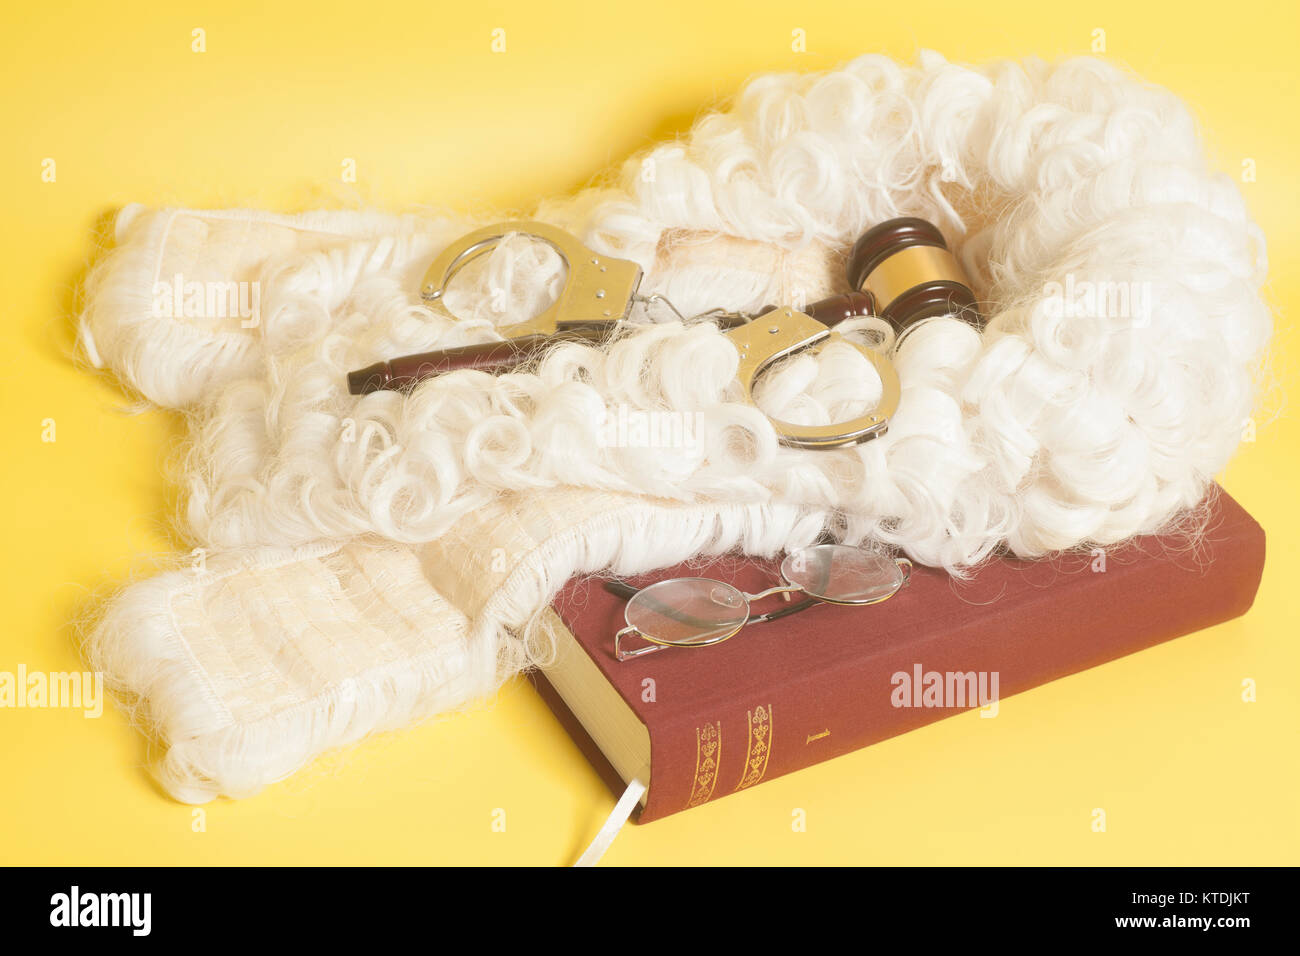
[778,589]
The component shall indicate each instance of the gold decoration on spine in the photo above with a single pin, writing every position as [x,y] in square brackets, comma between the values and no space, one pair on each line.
[760,746]
[708,751]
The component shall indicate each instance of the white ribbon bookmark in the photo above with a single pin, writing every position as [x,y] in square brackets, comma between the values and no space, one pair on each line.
[617,817]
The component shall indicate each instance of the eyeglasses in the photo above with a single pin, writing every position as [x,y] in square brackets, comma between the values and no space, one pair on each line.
[699,612]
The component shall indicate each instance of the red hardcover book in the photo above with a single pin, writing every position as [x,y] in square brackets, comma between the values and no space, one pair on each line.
[706,722]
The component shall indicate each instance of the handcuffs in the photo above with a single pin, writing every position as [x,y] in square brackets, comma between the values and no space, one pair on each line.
[598,294]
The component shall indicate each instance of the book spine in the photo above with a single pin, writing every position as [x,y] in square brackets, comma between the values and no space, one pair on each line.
[971,662]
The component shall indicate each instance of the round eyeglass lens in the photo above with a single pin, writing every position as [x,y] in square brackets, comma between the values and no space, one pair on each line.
[840,574]
[687,611]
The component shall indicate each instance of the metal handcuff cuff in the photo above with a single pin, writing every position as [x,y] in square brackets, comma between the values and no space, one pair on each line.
[599,294]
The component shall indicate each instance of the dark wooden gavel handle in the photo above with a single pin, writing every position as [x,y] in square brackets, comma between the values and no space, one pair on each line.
[834,309]
[409,370]
[404,372]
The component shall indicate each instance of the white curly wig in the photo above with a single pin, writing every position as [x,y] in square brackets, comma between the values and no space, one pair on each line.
[1061,424]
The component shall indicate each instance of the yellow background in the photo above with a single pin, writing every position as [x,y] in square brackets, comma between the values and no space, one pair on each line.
[1185,770]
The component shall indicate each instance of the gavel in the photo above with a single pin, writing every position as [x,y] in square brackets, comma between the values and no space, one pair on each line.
[409,370]
[905,267]
[900,270]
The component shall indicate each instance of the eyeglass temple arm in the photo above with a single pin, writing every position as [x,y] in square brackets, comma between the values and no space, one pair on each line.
[624,655]
[627,592]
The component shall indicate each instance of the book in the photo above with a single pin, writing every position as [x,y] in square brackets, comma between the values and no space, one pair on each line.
[697,724]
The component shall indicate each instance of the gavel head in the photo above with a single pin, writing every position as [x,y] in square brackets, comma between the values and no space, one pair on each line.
[906,268]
